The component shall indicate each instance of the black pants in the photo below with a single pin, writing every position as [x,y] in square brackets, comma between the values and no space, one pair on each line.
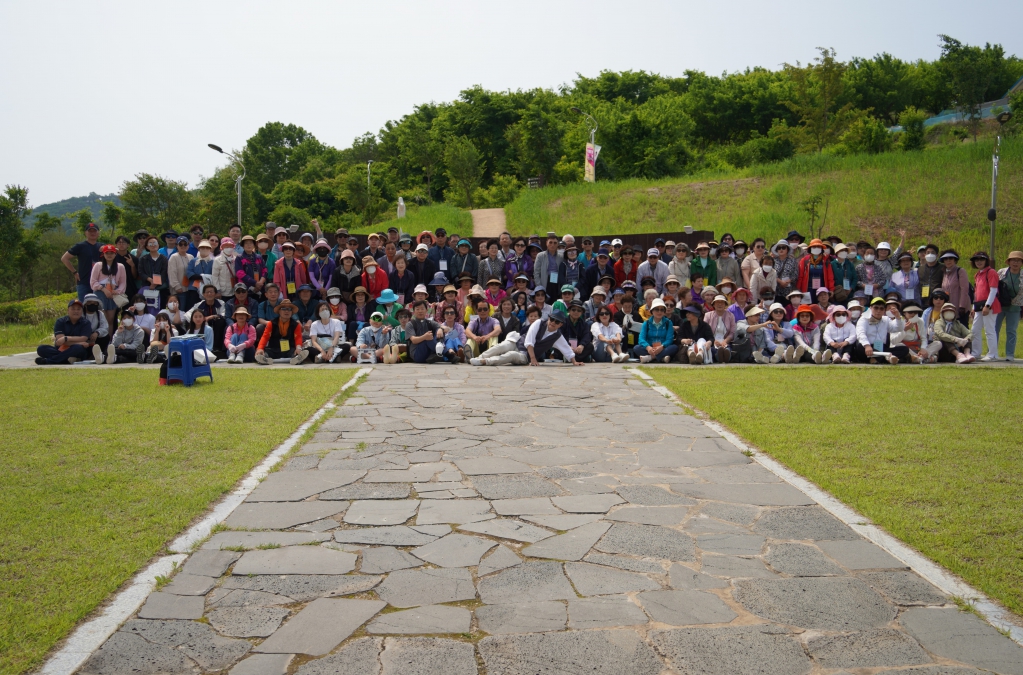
[859,354]
[585,356]
[122,355]
[219,326]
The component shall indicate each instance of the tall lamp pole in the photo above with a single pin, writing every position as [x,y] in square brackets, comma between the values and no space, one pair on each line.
[593,129]
[992,213]
[237,178]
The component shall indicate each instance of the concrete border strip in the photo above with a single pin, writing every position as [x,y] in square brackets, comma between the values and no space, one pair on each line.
[995,614]
[90,636]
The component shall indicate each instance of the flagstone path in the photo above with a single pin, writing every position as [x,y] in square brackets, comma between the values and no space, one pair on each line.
[555,520]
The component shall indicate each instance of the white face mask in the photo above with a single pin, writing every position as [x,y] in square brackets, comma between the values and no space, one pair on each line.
[128,322]
[228,252]
[726,289]
[868,258]
[767,268]
[172,306]
[855,313]
[740,251]
[949,316]
[816,250]
[325,314]
[335,301]
[713,251]
[842,255]
[840,320]
[930,257]
[140,306]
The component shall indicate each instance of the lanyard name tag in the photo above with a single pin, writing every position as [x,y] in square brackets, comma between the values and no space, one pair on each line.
[291,287]
[573,343]
[157,280]
[925,292]
[816,284]
[285,345]
[868,289]
[443,265]
[847,284]
[878,345]
[908,295]
[554,277]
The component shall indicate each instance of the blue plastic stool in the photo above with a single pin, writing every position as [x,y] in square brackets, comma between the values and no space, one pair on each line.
[187,372]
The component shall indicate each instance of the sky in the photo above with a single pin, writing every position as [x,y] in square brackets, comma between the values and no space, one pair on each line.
[92,93]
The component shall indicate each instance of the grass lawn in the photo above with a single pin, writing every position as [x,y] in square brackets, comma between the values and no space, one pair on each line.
[102,468]
[929,454]
[17,338]
[419,218]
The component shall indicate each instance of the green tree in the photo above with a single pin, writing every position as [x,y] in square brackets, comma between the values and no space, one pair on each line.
[817,90]
[912,122]
[867,134]
[80,219]
[463,167]
[157,204]
[883,84]
[44,222]
[13,209]
[273,153]
[112,216]
[538,138]
[969,73]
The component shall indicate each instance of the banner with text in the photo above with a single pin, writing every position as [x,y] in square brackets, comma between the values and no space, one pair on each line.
[590,171]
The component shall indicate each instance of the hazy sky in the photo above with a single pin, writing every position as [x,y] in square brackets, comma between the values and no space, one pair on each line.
[92,93]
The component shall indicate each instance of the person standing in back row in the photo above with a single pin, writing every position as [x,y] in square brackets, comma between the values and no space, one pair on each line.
[546,267]
[88,254]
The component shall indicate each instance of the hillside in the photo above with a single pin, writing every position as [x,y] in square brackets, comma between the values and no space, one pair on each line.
[940,194]
[92,201]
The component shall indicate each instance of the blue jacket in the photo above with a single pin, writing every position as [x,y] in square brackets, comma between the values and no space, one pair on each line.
[651,333]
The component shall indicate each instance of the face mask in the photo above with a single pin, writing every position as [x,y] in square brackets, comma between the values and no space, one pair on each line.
[949,316]
[767,268]
[322,254]
[140,306]
[840,320]
[335,301]
[816,250]
[128,323]
[228,252]
[325,314]
[172,306]
[868,258]
[91,309]
[713,251]
[930,257]
[842,255]
[204,253]
[855,313]
[726,289]
[740,251]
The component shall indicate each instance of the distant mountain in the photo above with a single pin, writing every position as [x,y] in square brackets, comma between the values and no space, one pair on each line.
[93,202]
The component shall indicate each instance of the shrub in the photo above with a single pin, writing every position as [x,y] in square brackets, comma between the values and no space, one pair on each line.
[502,191]
[912,121]
[868,134]
[36,310]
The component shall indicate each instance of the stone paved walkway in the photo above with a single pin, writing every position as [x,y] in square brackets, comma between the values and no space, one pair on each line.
[547,520]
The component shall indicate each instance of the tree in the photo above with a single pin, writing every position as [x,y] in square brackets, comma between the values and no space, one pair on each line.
[112,216]
[464,170]
[538,139]
[80,219]
[272,154]
[157,204]
[969,75]
[912,121]
[883,84]
[817,90]
[44,223]
[13,209]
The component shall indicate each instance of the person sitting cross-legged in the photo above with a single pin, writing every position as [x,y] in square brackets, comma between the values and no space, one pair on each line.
[282,339]
[128,343]
[73,338]
[240,339]
[656,337]
[370,343]
[483,330]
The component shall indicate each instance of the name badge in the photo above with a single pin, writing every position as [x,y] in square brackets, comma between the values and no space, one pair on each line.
[908,295]
[925,292]
[847,284]
[291,288]
[554,277]
[878,345]
[443,265]
[573,343]
[816,284]
[868,289]
[285,345]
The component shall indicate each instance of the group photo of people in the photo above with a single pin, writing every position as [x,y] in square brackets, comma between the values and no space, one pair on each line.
[392,297]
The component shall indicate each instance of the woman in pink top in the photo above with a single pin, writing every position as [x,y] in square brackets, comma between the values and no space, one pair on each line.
[986,307]
[108,280]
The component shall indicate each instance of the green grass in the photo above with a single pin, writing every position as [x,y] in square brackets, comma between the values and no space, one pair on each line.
[103,468]
[419,218]
[18,338]
[929,454]
[940,194]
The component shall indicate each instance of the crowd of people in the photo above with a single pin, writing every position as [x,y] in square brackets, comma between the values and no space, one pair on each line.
[522,300]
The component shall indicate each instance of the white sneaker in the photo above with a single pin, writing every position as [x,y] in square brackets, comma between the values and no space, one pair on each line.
[836,358]
[318,359]
[759,358]
[646,358]
[666,359]
[261,359]
[1010,359]
[299,357]
[988,358]
[111,354]
[790,352]
[818,358]
[477,362]
[827,356]
[800,350]
[97,354]
[778,357]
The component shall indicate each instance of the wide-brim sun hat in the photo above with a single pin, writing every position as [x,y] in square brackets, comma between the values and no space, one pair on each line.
[387,297]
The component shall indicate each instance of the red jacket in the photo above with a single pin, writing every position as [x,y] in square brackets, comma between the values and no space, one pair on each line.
[301,275]
[804,273]
[377,283]
[621,276]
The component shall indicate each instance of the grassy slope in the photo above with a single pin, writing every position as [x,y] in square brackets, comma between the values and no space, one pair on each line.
[940,194]
[105,468]
[904,447]
[419,218]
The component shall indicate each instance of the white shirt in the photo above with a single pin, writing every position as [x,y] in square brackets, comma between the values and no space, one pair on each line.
[610,331]
[561,344]
[318,328]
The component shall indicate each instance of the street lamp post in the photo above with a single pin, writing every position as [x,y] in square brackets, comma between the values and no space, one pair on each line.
[593,130]
[237,178]
[992,212]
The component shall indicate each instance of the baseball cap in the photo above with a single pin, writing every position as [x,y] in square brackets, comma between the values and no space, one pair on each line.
[422,247]
[653,252]
[616,242]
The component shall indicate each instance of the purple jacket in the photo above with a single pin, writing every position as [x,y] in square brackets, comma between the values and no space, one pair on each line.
[515,266]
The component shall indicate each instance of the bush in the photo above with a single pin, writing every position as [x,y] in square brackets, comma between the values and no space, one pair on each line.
[758,150]
[503,190]
[912,121]
[33,311]
[868,134]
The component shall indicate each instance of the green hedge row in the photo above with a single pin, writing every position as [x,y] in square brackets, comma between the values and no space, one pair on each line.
[41,309]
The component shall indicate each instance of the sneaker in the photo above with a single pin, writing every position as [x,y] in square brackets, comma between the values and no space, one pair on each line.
[818,357]
[846,358]
[477,362]
[790,353]
[461,355]
[778,357]
[779,351]
[73,360]
[970,358]
[828,355]
[318,359]
[140,355]
[988,359]
[111,355]
[646,358]
[666,359]
[151,354]
[695,359]
[299,357]
[799,354]
[724,355]
[836,358]
[261,359]
[432,358]
[894,360]
[1010,359]
[97,354]
[40,361]
[759,358]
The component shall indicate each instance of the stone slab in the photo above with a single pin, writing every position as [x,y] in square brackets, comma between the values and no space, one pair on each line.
[961,636]
[394,535]
[189,584]
[526,617]
[861,554]
[756,494]
[197,640]
[740,514]
[501,558]
[250,540]
[600,652]
[414,588]
[322,625]
[263,664]
[491,465]
[651,495]
[624,563]
[800,560]
[731,544]
[169,606]
[209,563]
[280,516]
[684,608]
[686,578]
[422,620]
[508,528]
[383,559]
[649,515]
[572,545]
[533,506]
[613,611]
[528,582]
[590,579]
[649,541]
[703,524]
[381,511]
[358,657]
[803,522]
[456,512]
[304,587]
[867,649]
[515,486]
[368,491]
[564,522]
[734,567]
[731,650]
[295,560]
[427,656]
[904,587]
[454,550]
[823,603]
[247,621]
[125,653]
[741,473]
[598,503]
[294,486]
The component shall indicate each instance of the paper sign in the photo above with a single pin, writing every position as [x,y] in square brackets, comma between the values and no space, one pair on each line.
[573,343]
[878,345]
[925,292]
[908,294]
[816,283]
